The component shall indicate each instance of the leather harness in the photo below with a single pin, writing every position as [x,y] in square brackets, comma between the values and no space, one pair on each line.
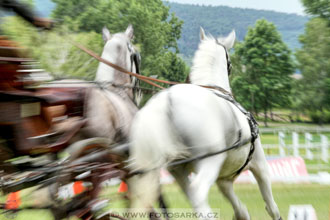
[222,93]
[218,91]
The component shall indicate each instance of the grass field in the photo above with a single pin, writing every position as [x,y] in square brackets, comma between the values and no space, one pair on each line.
[318,196]
[285,195]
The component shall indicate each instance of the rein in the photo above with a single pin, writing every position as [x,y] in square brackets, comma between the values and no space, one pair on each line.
[145,79]
[119,68]
[237,144]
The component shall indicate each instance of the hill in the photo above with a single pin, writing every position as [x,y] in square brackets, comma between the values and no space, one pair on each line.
[220,20]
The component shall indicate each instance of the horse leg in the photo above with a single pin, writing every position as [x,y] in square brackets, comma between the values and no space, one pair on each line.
[240,210]
[207,172]
[180,173]
[259,167]
[145,190]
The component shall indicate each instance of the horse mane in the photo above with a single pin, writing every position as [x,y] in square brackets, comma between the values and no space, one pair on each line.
[210,64]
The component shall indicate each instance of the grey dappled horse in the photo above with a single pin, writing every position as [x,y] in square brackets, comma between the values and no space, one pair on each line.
[110,110]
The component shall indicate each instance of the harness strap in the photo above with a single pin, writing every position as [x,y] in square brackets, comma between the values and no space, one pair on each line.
[238,143]
[254,134]
[252,148]
[251,120]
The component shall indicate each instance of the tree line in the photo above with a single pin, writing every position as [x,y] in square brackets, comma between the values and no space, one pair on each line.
[155,34]
[220,20]
[263,63]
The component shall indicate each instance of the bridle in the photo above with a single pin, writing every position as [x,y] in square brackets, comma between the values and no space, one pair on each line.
[135,58]
[229,65]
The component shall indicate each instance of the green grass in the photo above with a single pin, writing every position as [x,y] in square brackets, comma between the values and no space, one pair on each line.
[316,195]
[28,215]
[285,195]
[268,138]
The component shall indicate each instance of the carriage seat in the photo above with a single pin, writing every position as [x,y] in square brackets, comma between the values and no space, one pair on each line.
[43,120]
[50,131]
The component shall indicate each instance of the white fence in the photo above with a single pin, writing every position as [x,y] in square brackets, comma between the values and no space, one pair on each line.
[309,150]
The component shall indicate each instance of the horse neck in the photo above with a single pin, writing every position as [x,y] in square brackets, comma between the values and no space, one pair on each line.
[209,68]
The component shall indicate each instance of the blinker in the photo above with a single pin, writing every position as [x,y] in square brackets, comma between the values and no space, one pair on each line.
[229,65]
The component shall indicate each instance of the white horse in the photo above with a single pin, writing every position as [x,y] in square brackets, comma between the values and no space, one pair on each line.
[187,121]
[110,110]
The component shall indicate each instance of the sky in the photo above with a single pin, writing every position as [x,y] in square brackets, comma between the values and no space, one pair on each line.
[288,6]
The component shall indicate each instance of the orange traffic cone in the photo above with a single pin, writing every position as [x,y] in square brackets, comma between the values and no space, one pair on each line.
[13,201]
[123,187]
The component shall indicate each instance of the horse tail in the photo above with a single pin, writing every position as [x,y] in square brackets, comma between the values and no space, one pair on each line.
[153,138]
[148,151]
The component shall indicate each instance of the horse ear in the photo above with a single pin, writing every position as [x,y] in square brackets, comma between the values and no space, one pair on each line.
[129,31]
[202,34]
[230,40]
[106,34]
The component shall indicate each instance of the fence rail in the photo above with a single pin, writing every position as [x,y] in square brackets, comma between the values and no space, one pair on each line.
[299,129]
[314,149]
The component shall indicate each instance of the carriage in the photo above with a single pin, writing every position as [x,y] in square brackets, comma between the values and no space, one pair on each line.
[39,122]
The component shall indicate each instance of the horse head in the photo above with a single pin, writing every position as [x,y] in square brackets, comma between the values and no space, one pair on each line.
[211,64]
[119,50]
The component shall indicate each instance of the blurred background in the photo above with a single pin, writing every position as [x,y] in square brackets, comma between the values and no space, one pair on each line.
[281,73]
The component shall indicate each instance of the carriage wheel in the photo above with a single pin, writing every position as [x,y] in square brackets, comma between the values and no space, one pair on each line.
[95,156]
[88,150]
